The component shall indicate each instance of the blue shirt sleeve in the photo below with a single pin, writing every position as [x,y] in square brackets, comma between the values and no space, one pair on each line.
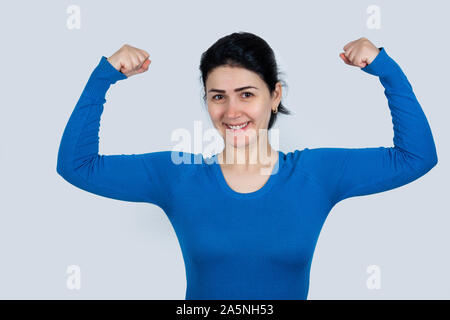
[135,177]
[350,172]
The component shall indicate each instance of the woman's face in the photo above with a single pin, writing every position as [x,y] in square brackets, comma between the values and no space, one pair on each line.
[238,96]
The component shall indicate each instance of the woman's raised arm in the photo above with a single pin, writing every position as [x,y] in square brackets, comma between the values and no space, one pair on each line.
[350,172]
[135,177]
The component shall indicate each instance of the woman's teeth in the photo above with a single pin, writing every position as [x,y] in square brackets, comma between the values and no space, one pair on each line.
[238,127]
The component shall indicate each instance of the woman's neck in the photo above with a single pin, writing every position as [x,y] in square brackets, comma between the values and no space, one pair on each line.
[247,159]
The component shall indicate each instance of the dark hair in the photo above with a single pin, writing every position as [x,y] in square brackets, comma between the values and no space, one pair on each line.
[246,50]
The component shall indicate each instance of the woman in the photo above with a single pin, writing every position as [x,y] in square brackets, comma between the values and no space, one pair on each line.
[244,234]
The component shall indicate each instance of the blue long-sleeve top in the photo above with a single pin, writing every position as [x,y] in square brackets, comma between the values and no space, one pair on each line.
[256,245]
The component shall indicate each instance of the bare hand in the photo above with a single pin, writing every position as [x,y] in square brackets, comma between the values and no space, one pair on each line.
[359,53]
[130,60]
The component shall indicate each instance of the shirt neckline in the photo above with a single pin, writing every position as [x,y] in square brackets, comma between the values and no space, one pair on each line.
[275,173]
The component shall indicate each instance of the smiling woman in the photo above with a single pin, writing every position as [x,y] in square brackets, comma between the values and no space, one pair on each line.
[243,92]
[254,57]
[243,234]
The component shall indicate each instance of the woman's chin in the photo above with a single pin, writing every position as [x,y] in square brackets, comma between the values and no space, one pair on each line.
[238,143]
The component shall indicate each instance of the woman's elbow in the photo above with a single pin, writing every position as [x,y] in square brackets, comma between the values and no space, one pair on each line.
[428,163]
[433,161]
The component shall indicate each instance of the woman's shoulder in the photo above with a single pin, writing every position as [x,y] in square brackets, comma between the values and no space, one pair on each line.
[293,157]
[314,158]
[176,159]
[174,165]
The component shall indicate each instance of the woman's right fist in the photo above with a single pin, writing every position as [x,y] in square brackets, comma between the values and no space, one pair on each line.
[130,60]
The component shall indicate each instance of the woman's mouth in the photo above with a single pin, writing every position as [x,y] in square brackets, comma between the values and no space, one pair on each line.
[237,128]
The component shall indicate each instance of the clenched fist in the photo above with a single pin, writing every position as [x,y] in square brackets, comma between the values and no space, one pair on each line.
[130,60]
[359,53]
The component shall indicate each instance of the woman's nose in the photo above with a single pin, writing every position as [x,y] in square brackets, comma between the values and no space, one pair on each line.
[234,109]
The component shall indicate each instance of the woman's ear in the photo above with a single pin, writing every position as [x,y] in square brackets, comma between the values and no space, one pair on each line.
[276,95]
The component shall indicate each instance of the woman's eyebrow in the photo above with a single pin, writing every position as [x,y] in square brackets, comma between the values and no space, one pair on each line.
[236,90]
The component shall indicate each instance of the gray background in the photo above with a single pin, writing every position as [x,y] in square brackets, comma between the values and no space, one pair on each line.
[129,250]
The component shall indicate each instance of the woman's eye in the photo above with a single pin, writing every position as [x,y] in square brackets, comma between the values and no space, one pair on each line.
[219,95]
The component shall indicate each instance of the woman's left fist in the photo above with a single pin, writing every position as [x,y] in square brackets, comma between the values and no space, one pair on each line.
[359,53]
